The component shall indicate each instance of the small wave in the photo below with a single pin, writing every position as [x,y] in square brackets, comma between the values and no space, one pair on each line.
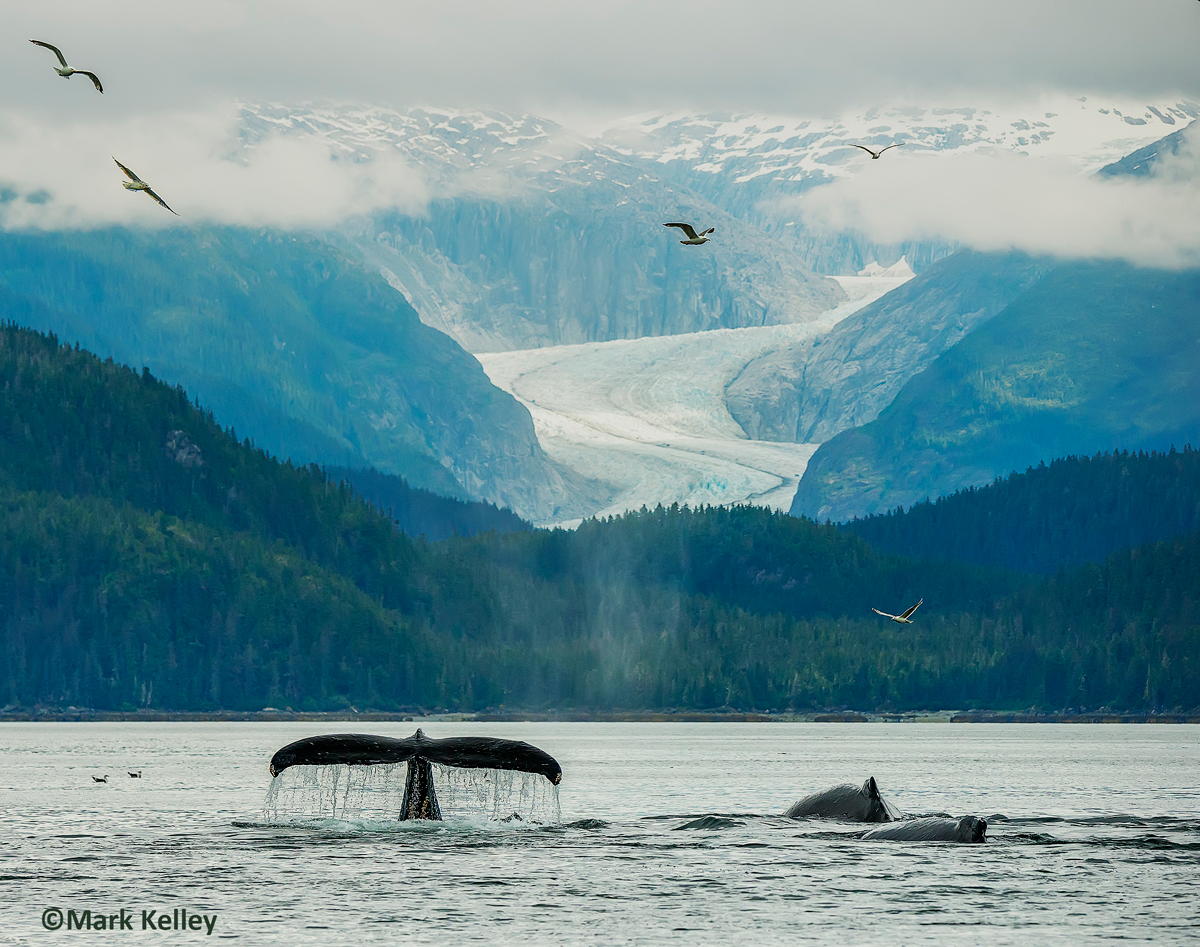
[675,817]
[1143,843]
[1118,819]
[710,822]
[1027,838]
[347,828]
[590,824]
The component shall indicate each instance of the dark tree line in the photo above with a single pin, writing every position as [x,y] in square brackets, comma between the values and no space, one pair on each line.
[1074,510]
[150,559]
[422,513]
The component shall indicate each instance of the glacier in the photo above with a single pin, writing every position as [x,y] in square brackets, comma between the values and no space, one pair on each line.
[649,416]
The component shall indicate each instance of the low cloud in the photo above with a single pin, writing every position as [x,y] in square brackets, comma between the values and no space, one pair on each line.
[59,176]
[1000,201]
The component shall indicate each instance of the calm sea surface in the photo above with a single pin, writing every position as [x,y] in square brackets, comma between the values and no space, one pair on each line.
[1094,837]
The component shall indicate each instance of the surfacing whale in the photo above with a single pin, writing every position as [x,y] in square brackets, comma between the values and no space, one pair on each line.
[419,751]
[846,802]
[934,829]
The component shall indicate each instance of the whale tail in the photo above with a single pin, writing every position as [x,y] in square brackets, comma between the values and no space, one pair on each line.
[420,798]
[419,751]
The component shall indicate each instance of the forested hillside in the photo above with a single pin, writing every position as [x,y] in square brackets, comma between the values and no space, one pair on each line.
[1094,356]
[423,513]
[291,342]
[1074,510]
[148,559]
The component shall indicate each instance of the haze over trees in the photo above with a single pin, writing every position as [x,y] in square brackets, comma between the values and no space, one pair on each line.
[150,559]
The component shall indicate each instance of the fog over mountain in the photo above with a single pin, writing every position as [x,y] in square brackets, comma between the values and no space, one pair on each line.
[508,173]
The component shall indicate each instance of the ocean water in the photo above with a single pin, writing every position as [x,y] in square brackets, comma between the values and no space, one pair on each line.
[1094,837]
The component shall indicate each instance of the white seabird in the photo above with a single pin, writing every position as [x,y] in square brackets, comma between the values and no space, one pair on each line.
[875,154]
[904,618]
[137,184]
[66,71]
[693,239]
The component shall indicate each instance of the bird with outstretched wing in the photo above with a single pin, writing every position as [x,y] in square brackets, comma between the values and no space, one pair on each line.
[66,71]
[876,154]
[137,184]
[693,238]
[904,618]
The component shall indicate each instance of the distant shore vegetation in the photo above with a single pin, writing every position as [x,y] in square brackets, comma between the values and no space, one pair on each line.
[149,559]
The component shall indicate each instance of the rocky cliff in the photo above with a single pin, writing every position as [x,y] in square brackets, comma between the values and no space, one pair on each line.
[533,236]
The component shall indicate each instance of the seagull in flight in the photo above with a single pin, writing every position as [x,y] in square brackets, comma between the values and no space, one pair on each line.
[693,239]
[137,184]
[875,154]
[904,618]
[66,71]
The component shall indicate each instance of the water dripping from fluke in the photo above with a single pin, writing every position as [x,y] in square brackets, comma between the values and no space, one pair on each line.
[357,778]
[371,796]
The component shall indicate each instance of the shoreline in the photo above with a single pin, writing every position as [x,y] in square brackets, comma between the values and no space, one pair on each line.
[82,715]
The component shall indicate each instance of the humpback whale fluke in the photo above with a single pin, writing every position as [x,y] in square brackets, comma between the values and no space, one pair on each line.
[419,751]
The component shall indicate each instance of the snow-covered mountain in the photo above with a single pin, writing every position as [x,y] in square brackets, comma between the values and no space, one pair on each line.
[543,251]
[534,236]
[746,163]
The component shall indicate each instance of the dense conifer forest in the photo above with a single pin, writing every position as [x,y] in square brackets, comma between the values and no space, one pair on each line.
[422,513]
[149,558]
[1074,510]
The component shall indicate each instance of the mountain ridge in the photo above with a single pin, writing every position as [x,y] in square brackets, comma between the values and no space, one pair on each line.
[534,236]
[1091,357]
[292,341]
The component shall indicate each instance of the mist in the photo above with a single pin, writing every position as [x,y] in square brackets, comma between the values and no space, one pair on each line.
[999,201]
[57,176]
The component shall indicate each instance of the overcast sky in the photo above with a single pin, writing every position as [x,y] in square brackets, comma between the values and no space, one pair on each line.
[589,61]
[172,71]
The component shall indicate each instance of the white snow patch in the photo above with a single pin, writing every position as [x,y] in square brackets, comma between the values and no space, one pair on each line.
[649,415]
[899,269]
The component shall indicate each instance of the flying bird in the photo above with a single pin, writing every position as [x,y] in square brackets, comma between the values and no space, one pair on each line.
[904,618]
[100,779]
[66,71]
[875,154]
[693,239]
[137,184]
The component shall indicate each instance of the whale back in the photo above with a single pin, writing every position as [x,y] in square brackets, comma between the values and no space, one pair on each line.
[972,829]
[969,829]
[847,802]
